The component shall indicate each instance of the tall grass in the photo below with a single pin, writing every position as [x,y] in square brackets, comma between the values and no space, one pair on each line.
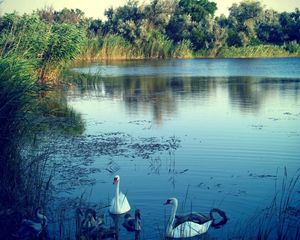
[116,47]
[23,182]
[183,50]
[281,219]
[153,46]
[158,46]
[50,46]
[258,51]
[26,118]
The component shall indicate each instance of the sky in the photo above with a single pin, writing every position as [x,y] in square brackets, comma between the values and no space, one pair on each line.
[95,8]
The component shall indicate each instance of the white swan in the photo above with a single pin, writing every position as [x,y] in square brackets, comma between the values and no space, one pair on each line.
[185,229]
[119,204]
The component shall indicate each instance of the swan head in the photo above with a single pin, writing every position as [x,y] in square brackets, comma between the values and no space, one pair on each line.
[171,201]
[40,216]
[116,179]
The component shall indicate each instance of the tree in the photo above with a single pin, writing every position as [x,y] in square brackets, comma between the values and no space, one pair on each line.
[192,21]
[159,12]
[242,22]
[290,23]
[198,9]
[125,20]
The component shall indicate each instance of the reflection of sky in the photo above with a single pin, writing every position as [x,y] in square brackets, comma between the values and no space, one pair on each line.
[229,129]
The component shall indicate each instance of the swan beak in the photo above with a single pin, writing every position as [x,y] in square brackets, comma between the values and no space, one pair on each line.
[167,202]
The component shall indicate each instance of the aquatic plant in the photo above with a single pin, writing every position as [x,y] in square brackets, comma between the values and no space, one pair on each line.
[280,219]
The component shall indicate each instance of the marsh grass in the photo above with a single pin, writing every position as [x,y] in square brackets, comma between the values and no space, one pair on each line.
[281,219]
[24,183]
[154,45]
[26,116]
[258,51]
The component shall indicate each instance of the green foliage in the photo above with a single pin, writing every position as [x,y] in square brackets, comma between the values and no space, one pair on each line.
[179,28]
[293,48]
[115,46]
[49,46]
[17,101]
[26,36]
[124,21]
[183,50]
[53,38]
[155,45]
[245,10]
[69,16]
[159,12]
[198,9]
[255,51]
[65,43]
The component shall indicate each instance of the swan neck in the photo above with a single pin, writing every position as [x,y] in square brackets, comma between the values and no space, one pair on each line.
[172,218]
[117,194]
[42,218]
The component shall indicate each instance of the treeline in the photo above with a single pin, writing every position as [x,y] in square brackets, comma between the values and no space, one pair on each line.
[160,29]
[181,28]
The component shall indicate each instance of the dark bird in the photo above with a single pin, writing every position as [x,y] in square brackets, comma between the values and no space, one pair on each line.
[33,229]
[133,224]
[199,218]
[92,227]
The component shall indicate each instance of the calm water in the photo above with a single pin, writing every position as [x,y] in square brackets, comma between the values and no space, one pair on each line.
[236,123]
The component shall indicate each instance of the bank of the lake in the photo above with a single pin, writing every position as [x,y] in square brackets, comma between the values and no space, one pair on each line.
[127,51]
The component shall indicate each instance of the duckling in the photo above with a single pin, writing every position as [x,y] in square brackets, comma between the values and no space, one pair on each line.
[133,224]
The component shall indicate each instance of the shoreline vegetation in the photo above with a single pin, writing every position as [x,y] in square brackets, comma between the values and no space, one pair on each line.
[35,49]
[50,40]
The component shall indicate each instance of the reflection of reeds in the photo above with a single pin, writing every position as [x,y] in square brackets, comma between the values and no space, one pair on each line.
[280,220]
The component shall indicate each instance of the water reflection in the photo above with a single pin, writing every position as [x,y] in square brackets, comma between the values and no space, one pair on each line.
[160,95]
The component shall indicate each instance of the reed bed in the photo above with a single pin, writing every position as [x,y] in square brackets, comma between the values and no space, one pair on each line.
[257,51]
[280,219]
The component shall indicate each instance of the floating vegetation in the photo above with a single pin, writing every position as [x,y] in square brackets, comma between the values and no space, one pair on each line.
[262,175]
[74,155]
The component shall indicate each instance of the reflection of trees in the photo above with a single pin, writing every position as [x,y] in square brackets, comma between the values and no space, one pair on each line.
[157,94]
[160,94]
[249,93]
[245,92]
[58,116]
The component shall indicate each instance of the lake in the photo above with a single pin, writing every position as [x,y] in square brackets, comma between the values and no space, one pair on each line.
[210,132]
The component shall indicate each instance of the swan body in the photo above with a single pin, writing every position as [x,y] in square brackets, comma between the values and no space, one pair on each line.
[33,229]
[185,227]
[132,224]
[119,204]
[193,217]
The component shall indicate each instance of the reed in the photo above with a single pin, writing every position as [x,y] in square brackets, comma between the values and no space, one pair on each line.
[257,51]
[116,47]
[21,167]
[280,220]
[183,50]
